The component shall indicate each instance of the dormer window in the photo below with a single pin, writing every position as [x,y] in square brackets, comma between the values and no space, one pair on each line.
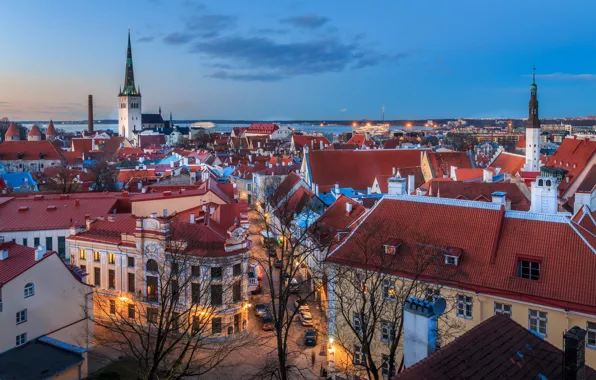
[392,246]
[453,255]
[528,269]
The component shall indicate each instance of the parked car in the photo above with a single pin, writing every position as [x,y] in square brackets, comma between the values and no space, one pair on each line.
[267,320]
[260,309]
[306,318]
[301,305]
[257,290]
[277,263]
[310,337]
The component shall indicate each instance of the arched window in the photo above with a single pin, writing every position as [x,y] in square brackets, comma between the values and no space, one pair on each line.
[29,290]
[540,182]
[152,265]
[548,183]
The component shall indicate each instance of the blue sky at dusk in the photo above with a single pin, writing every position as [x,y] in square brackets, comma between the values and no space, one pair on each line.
[267,59]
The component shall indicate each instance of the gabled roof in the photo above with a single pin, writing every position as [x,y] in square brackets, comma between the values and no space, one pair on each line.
[285,187]
[469,174]
[336,216]
[146,141]
[481,191]
[20,258]
[360,141]
[572,155]
[498,348]
[357,168]
[508,163]
[492,240]
[30,150]
[151,118]
[441,162]
[262,128]
[313,142]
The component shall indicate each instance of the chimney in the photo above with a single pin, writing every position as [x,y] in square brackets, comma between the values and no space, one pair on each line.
[90,114]
[165,212]
[452,171]
[348,208]
[39,252]
[337,188]
[192,218]
[396,186]
[544,196]
[420,328]
[154,215]
[499,197]
[574,367]
[3,254]
[211,210]
[321,146]
[487,175]
[204,208]
[411,183]
[317,189]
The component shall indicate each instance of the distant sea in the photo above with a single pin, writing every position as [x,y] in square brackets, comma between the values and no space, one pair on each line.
[327,129]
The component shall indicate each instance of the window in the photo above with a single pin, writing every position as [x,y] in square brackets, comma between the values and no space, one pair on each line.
[111,258]
[62,246]
[49,245]
[131,261]
[131,282]
[357,322]
[385,367]
[112,307]
[112,279]
[216,325]
[537,321]
[431,294]
[25,242]
[174,321]
[151,315]
[151,265]
[591,339]
[237,291]
[464,306]
[36,242]
[387,332]
[21,316]
[390,249]
[97,276]
[358,357]
[216,295]
[174,268]
[96,256]
[528,269]
[21,339]
[450,260]
[82,254]
[195,271]
[152,289]
[195,290]
[29,290]
[175,289]
[502,308]
[131,311]
[216,273]
[237,269]
[388,290]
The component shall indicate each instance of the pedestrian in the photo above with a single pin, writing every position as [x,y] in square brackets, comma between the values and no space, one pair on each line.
[312,356]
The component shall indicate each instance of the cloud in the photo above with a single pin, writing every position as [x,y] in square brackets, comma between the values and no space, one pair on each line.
[145,39]
[306,21]
[270,31]
[177,38]
[567,76]
[212,23]
[343,110]
[258,77]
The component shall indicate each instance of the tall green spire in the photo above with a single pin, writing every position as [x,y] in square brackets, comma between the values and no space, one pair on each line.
[171,121]
[129,76]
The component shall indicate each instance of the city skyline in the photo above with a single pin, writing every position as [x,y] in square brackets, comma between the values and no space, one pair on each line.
[298,60]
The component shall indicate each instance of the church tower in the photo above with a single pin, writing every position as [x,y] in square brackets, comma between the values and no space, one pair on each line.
[129,101]
[533,131]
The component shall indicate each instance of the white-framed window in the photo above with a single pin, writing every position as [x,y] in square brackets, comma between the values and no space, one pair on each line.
[385,367]
[464,306]
[29,290]
[591,336]
[503,308]
[451,260]
[387,332]
[389,290]
[357,322]
[538,321]
[21,316]
[21,339]
[358,356]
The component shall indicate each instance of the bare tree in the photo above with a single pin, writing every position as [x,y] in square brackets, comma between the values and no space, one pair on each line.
[369,298]
[105,176]
[62,179]
[174,329]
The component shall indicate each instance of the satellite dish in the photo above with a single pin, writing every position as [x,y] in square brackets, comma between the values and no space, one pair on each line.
[439,306]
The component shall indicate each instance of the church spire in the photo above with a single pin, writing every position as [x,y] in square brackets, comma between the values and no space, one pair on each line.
[533,120]
[129,77]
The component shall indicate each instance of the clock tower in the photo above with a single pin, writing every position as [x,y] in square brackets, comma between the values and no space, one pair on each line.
[129,101]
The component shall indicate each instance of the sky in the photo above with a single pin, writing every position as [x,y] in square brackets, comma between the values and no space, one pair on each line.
[311,59]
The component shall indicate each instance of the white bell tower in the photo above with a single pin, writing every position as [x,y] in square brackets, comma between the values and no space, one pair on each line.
[129,101]
[533,131]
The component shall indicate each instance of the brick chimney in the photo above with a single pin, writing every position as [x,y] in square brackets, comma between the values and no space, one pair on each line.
[574,367]
[420,328]
[90,114]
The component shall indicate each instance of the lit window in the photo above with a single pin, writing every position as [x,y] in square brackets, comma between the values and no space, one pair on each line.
[29,290]
[21,316]
[464,306]
[111,258]
[82,254]
[537,321]
[591,329]
[502,308]
[21,339]
[528,269]
[152,315]
[388,290]
[96,256]
[112,307]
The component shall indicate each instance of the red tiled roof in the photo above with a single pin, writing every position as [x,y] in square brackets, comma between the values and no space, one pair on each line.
[521,143]
[469,174]
[285,187]
[572,155]
[9,150]
[50,213]
[107,231]
[129,150]
[262,128]
[313,142]
[12,131]
[490,351]
[296,203]
[492,241]
[360,141]
[441,162]
[481,191]
[508,163]
[336,216]
[391,144]
[589,181]
[51,130]
[126,175]
[338,146]
[20,258]
[34,132]
[357,169]
[146,141]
